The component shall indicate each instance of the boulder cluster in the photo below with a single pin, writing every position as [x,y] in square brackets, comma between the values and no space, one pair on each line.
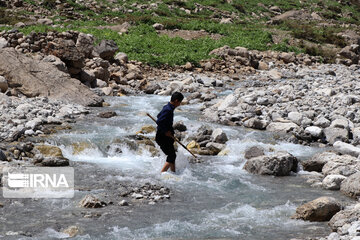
[314,104]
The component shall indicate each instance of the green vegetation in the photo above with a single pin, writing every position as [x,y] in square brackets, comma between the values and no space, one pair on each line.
[249,28]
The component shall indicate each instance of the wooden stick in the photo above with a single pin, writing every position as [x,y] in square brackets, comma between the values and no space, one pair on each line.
[177,140]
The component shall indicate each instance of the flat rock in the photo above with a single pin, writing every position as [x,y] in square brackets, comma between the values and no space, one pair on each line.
[37,78]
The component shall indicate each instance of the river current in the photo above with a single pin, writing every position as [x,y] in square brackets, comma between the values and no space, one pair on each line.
[215,199]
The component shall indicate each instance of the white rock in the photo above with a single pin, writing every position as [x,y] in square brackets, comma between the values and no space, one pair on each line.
[107,91]
[100,83]
[3,43]
[274,74]
[219,136]
[346,148]
[314,131]
[33,123]
[354,230]
[333,182]
[229,101]
[295,117]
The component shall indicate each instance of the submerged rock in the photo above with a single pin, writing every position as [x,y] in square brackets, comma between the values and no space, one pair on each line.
[90,201]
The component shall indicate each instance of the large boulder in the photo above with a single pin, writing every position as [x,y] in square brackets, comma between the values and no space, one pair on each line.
[345,165]
[253,152]
[106,49]
[334,134]
[85,44]
[278,164]
[345,148]
[344,217]
[49,156]
[317,162]
[318,210]
[351,186]
[219,136]
[33,77]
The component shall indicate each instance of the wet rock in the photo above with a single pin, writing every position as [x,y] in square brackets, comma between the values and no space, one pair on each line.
[351,185]
[90,201]
[219,136]
[256,123]
[72,231]
[318,210]
[123,203]
[106,49]
[253,152]
[180,126]
[107,114]
[333,182]
[50,156]
[277,164]
[147,129]
[49,151]
[215,148]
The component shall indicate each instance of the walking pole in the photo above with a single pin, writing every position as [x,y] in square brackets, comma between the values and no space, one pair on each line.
[177,140]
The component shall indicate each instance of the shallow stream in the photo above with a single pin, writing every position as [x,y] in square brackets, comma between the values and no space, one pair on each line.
[215,199]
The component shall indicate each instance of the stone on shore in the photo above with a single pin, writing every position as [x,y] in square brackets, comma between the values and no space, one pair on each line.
[345,165]
[345,148]
[345,217]
[106,49]
[333,182]
[351,186]
[318,210]
[282,127]
[277,164]
[33,78]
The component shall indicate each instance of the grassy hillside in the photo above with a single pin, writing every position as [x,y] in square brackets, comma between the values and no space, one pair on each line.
[249,25]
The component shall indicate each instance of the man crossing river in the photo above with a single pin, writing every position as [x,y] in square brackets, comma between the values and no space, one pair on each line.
[165,131]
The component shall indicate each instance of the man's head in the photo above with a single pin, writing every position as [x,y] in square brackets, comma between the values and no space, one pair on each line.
[176,98]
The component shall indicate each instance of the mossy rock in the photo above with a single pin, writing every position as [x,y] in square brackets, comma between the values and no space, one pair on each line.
[49,151]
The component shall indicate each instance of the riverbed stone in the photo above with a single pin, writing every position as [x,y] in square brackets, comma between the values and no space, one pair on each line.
[90,201]
[277,164]
[282,127]
[345,217]
[322,122]
[351,186]
[314,131]
[254,151]
[336,134]
[256,123]
[345,148]
[219,136]
[295,117]
[333,182]
[318,210]
[345,165]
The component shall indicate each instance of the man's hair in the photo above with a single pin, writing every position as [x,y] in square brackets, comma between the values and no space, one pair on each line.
[177,96]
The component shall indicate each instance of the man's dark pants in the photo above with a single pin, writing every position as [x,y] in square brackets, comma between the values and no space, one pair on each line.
[167,146]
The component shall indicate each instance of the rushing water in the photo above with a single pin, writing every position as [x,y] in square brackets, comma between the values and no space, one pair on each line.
[216,199]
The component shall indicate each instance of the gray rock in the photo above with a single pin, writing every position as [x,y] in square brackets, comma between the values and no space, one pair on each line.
[56,62]
[341,123]
[219,136]
[336,134]
[333,182]
[282,127]
[256,123]
[320,209]
[215,147]
[45,21]
[295,117]
[106,49]
[322,122]
[2,156]
[229,101]
[345,148]
[278,164]
[345,165]
[85,44]
[38,78]
[180,126]
[254,151]
[351,186]
[344,217]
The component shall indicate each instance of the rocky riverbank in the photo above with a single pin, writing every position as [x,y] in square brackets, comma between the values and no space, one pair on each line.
[48,78]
